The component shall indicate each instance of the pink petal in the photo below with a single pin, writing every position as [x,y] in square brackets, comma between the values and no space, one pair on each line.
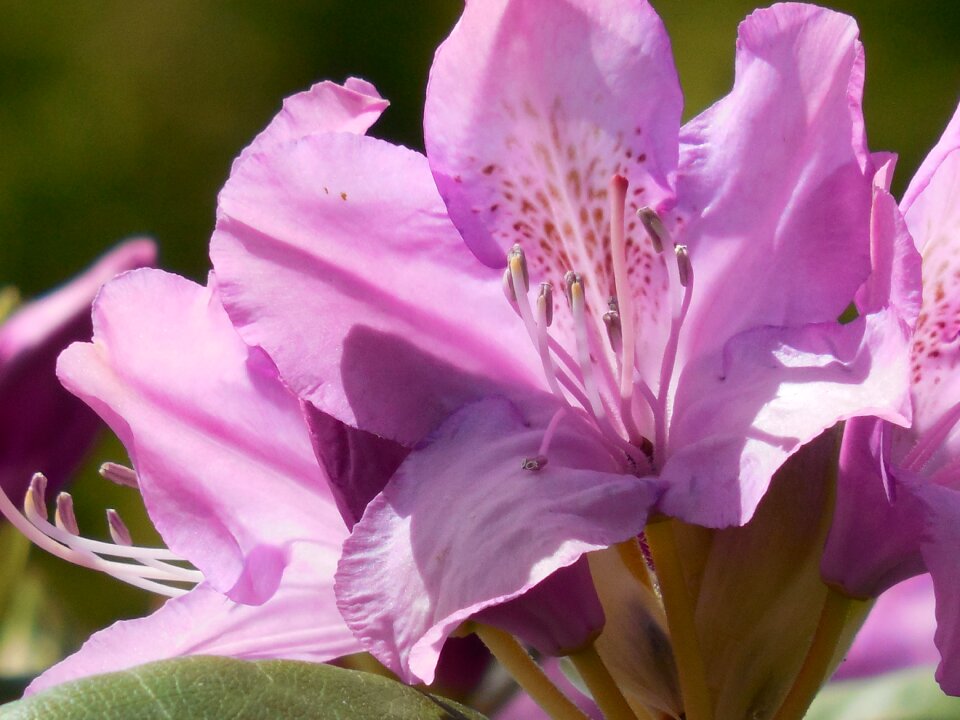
[775,183]
[898,632]
[874,541]
[934,221]
[895,279]
[461,527]
[948,142]
[334,254]
[299,622]
[224,458]
[941,540]
[43,427]
[358,463]
[740,416]
[532,106]
[326,107]
[555,617]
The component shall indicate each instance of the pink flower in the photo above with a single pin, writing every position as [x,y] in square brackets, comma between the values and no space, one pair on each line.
[480,442]
[225,466]
[898,509]
[43,427]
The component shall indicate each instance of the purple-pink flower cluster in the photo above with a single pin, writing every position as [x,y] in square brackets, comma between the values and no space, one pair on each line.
[420,393]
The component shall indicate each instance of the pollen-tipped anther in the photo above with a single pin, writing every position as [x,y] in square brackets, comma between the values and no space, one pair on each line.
[118,529]
[119,474]
[534,463]
[65,518]
[659,235]
[683,264]
[517,261]
[569,280]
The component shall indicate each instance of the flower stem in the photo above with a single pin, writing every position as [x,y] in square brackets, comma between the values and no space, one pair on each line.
[697,703]
[527,673]
[816,665]
[602,686]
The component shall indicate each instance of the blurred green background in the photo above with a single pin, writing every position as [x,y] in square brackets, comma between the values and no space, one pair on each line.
[121,117]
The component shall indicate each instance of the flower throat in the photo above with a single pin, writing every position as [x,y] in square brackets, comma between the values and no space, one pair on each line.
[604,379]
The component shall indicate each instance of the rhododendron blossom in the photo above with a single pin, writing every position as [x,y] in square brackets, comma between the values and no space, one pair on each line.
[224,464]
[653,308]
[534,384]
[898,507]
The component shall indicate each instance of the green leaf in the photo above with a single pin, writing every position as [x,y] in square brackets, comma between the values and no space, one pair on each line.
[906,695]
[211,688]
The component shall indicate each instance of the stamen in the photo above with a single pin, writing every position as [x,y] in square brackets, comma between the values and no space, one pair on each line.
[574,284]
[537,462]
[63,541]
[64,518]
[546,297]
[518,261]
[119,474]
[508,290]
[683,264]
[118,528]
[670,350]
[544,318]
[533,464]
[618,254]
[550,431]
[656,230]
[536,329]
[611,321]
[36,492]
[679,285]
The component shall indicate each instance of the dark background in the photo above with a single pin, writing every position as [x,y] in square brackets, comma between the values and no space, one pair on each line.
[121,117]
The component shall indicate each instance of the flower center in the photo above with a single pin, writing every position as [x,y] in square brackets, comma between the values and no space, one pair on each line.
[152,569]
[605,379]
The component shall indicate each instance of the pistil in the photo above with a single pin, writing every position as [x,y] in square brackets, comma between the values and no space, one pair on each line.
[618,255]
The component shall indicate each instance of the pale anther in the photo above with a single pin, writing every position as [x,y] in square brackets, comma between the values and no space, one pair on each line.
[534,463]
[569,280]
[64,518]
[516,258]
[683,264]
[611,321]
[118,528]
[119,474]
[659,235]
[546,297]
[36,494]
